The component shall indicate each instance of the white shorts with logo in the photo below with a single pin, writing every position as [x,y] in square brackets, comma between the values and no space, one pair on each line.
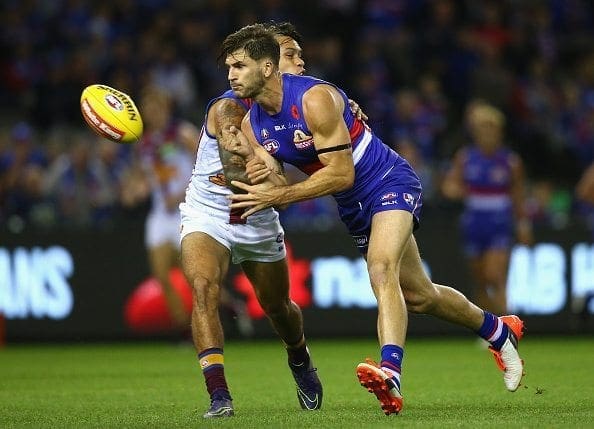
[259,240]
[162,228]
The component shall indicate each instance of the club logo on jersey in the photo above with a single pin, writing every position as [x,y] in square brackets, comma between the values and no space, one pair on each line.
[408,198]
[295,112]
[113,102]
[389,196]
[218,179]
[302,140]
[272,146]
[264,133]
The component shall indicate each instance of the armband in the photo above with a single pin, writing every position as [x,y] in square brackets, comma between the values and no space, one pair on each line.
[334,148]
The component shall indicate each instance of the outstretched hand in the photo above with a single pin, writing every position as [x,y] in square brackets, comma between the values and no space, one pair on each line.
[236,142]
[256,198]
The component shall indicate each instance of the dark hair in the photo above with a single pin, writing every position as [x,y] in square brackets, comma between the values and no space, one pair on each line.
[257,41]
[284,29]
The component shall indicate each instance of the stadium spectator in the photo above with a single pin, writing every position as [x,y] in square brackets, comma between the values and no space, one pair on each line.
[22,165]
[79,185]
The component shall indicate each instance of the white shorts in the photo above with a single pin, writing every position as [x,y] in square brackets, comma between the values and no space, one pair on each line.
[261,240]
[162,228]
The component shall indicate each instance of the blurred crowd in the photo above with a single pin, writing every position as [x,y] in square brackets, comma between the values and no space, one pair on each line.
[413,65]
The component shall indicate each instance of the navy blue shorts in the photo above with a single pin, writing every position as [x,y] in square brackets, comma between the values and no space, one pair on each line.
[397,188]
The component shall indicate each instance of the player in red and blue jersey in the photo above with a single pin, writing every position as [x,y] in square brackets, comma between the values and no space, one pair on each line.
[489,178]
[306,122]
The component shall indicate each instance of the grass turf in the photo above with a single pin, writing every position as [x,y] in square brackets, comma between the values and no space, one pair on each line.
[446,383]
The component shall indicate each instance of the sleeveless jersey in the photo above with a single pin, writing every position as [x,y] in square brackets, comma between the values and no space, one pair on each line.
[487,221]
[287,138]
[207,189]
[488,180]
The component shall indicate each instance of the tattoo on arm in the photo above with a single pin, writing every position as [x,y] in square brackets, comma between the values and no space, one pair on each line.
[230,113]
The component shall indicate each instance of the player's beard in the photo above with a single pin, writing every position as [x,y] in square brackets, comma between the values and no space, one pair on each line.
[254,88]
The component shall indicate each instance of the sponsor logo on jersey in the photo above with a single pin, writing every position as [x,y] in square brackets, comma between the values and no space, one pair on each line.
[272,146]
[389,196]
[280,238]
[280,127]
[264,133]
[302,140]
[114,103]
[295,112]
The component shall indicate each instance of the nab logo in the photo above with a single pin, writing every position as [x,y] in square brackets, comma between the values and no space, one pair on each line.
[271,146]
[114,103]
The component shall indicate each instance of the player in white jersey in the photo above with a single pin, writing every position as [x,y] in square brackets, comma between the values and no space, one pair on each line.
[212,235]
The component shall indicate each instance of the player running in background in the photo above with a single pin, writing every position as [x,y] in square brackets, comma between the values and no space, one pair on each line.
[490,179]
[212,236]
[306,122]
[162,167]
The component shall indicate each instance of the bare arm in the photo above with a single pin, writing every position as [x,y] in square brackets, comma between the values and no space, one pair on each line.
[224,114]
[322,110]
[453,182]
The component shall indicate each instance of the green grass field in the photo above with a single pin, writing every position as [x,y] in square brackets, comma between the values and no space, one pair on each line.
[446,383]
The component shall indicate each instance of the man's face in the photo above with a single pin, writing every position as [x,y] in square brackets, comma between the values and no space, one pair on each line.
[290,56]
[245,75]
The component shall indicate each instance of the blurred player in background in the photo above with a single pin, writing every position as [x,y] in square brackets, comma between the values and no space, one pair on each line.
[489,178]
[306,122]
[163,165]
[213,235]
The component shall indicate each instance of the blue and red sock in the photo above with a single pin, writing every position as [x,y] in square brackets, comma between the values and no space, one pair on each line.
[493,330]
[392,356]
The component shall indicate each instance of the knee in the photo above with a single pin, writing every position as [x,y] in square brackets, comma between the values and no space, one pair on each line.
[380,272]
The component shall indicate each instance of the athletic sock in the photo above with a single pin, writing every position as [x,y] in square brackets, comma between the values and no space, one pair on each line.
[213,369]
[493,330]
[392,356]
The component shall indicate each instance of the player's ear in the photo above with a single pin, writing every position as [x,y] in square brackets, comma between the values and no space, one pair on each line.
[268,68]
